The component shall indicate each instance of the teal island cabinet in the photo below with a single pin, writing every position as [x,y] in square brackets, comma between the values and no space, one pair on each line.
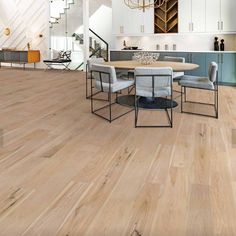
[196,58]
[225,60]
[228,68]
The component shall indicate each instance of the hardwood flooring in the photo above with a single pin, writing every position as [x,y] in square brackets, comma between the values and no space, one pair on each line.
[64,171]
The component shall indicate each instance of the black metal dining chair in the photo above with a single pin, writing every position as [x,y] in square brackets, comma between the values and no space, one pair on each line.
[106,81]
[154,83]
[209,83]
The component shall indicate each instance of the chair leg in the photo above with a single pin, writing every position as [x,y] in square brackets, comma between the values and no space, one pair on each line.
[136,110]
[185,94]
[171,111]
[87,85]
[130,90]
[109,94]
[91,96]
[215,104]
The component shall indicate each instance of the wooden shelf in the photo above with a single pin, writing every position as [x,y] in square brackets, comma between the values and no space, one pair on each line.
[166,17]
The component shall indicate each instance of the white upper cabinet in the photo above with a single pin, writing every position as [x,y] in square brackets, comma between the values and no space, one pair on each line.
[192,16]
[185,16]
[117,18]
[198,16]
[228,16]
[148,21]
[220,16]
[128,21]
[195,16]
[213,21]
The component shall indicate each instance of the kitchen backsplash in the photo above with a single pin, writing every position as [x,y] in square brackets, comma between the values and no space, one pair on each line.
[183,42]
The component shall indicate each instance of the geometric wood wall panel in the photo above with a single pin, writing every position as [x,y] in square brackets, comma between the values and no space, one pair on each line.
[166,17]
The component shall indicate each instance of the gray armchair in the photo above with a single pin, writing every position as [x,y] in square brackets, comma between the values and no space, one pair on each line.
[90,62]
[176,75]
[209,83]
[154,83]
[106,81]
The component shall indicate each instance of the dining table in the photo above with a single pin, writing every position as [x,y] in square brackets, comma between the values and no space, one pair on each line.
[131,65]
[149,103]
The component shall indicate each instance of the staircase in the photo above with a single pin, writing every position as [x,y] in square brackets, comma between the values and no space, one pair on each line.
[98,47]
[62,28]
[58,8]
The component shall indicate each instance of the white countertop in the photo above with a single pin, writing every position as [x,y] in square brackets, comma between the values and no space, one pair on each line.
[121,50]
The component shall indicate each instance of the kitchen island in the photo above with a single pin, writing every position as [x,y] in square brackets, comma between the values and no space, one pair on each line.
[225,59]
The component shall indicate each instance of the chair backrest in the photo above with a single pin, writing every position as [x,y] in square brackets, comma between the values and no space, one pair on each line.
[67,55]
[212,72]
[153,79]
[174,59]
[102,73]
[63,55]
[94,60]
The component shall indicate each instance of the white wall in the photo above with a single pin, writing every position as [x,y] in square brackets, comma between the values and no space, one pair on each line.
[29,18]
[26,19]
[201,42]
[100,19]
[101,22]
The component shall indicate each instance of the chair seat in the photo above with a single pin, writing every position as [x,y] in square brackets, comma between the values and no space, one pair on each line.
[57,61]
[125,73]
[196,82]
[178,75]
[147,92]
[115,87]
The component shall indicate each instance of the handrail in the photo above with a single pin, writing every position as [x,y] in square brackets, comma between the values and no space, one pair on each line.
[106,43]
[95,50]
[94,53]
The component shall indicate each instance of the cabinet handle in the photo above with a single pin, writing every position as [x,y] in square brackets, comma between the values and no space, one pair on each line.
[222,59]
[121,29]
[218,57]
[192,26]
[222,25]
[142,28]
[190,57]
[218,25]
[189,26]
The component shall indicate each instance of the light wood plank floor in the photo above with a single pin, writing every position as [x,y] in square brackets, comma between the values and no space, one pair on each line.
[64,171]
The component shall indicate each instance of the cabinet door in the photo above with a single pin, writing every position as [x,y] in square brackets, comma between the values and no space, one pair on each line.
[138,22]
[148,21]
[228,15]
[166,54]
[228,61]
[183,54]
[115,55]
[198,16]
[199,59]
[214,57]
[213,15]
[185,15]
[119,14]
[1,56]
[126,56]
[134,21]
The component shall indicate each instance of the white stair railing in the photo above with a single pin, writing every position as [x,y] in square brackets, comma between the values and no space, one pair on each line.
[58,8]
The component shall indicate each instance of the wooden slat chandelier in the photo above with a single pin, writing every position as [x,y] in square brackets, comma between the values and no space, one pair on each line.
[143,4]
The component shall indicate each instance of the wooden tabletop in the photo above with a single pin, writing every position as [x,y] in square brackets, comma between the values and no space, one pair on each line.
[131,65]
